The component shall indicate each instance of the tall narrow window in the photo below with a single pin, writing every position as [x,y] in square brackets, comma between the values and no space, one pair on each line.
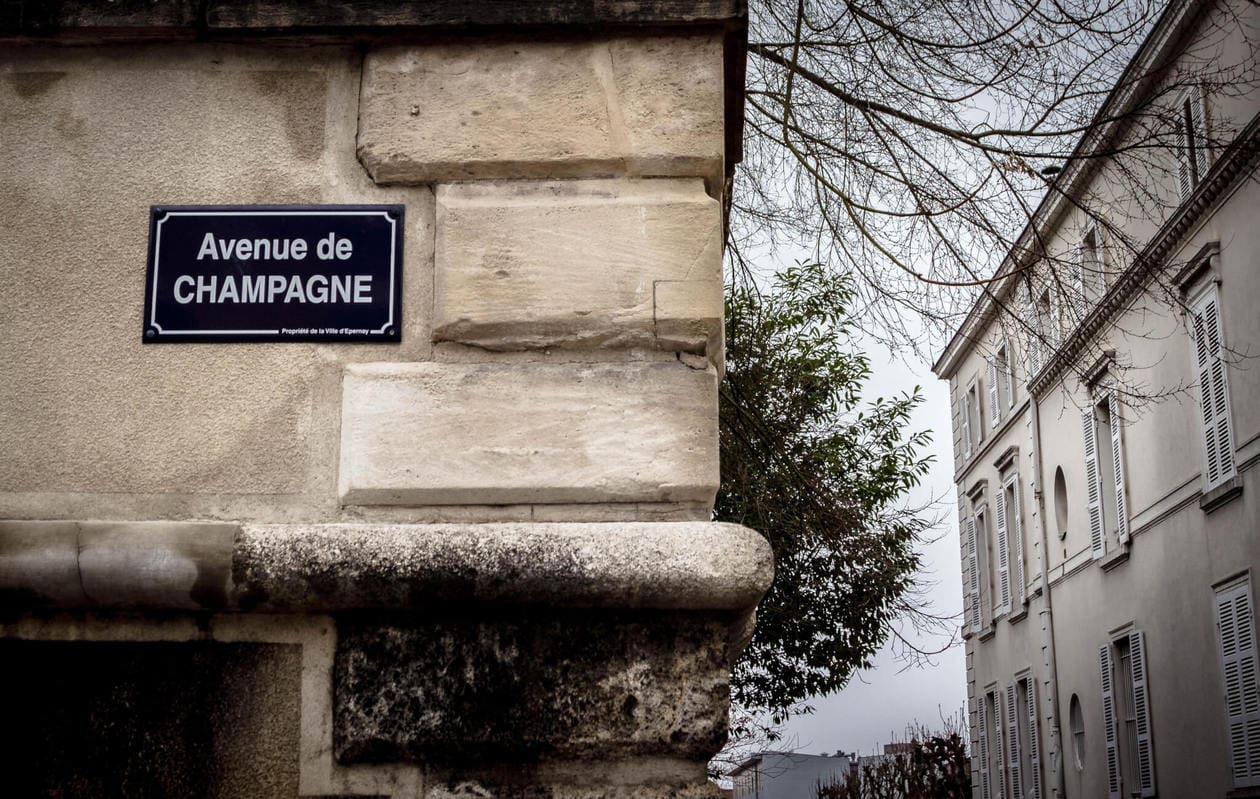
[1090,264]
[1002,598]
[1010,509]
[1025,757]
[1218,433]
[973,573]
[1192,143]
[1126,718]
[984,718]
[996,406]
[1235,624]
[1015,744]
[973,433]
[1106,505]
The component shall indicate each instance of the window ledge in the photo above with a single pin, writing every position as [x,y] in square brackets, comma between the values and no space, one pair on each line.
[1018,615]
[1249,792]
[1223,493]
[987,633]
[1109,562]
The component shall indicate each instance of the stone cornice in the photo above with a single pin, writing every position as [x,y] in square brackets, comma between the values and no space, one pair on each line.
[325,568]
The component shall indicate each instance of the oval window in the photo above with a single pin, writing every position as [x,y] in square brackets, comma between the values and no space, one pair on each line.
[1078,732]
[1060,503]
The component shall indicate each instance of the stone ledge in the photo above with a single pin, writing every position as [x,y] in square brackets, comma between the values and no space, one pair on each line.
[149,19]
[339,567]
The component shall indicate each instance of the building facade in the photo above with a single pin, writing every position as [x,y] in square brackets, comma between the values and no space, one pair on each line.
[1105,429]
[788,775]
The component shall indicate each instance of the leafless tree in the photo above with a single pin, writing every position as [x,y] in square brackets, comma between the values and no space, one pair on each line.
[910,143]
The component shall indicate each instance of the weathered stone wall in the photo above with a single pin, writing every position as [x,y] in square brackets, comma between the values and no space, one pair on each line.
[489,544]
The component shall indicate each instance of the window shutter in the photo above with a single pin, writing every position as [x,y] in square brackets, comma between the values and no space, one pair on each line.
[1218,436]
[1198,117]
[973,566]
[1017,534]
[1034,747]
[1003,553]
[986,788]
[995,407]
[1142,714]
[956,412]
[1012,744]
[966,423]
[1117,469]
[1034,334]
[1097,543]
[1185,144]
[1109,724]
[1234,621]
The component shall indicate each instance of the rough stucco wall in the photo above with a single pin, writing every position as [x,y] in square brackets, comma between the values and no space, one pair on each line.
[94,422]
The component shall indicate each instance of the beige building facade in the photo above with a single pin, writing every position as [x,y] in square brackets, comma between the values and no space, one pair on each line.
[479,561]
[1106,433]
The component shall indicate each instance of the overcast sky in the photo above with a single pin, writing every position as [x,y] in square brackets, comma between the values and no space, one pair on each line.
[879,703]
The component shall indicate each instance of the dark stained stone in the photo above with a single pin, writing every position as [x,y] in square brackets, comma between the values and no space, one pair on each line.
[523,688]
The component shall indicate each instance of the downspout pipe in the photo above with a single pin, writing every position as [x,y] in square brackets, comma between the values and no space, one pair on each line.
[1047,611]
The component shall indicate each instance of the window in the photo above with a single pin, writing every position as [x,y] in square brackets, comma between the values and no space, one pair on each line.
[1106,507]
[1023,767]
[1060,502]
[984,557]
[1192,144]
[1235,626]
[1090,268]
[973,432]
[1001,384]
[1010,544]
[990,746]
[1077,721]
[972,560]
[1218,434]
[1126,717]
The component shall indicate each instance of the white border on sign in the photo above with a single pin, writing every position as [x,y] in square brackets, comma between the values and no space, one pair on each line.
[157,255]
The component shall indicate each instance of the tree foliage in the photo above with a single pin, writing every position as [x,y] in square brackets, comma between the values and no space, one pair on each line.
[819,473]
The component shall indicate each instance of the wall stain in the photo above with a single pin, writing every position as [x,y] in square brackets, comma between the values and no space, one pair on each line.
[299,96]
[34,84]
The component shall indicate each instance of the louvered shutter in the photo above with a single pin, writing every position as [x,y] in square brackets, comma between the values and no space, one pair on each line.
[1034,334]
[966,423]
[1184,148]
[1097,543]
[973,566]
[1003,553]
[1234,621]
[1109,724]
[995,407]
[1117,469]
[1017,535]
[1014,771]
[1218,436]
[1142,714]
[986,787]
[1198,126]
[956,411]
[1034,744]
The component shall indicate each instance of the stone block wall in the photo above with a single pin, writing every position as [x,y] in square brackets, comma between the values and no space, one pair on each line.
[489,543]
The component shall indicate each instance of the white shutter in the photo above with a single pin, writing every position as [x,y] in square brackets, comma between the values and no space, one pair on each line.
[966,423]
[1017,535]
[986,788]
[1198,117]
[1117,469]
[1234,621]
[1034,745]
[1010,374]
[956,411]
[1218,435]
[1012,744]
[995,407]
[1097,543]
[1185,144]
[1142,715]
[1109,724]
[1034,334]
[1003,553]
[973,566]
